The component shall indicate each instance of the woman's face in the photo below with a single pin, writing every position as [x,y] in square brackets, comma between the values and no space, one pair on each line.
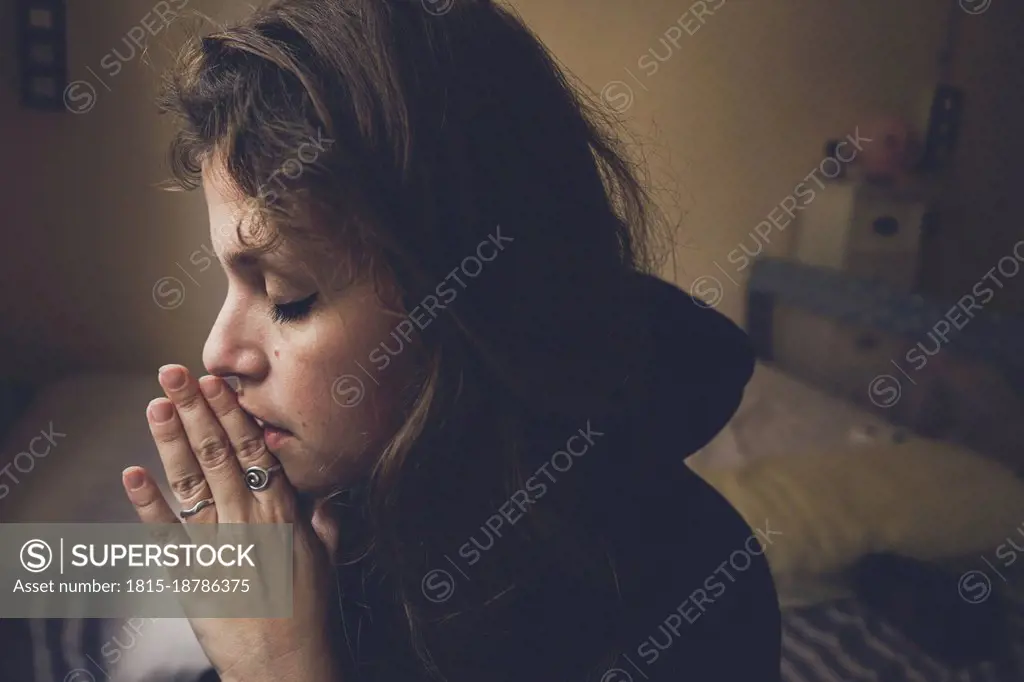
[302,355]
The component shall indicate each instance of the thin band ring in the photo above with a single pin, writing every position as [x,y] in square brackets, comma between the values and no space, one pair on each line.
[258,478]
[196,508]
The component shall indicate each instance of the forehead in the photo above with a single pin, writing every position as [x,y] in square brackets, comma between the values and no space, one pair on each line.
[226,205]
[231,216]
[231,213]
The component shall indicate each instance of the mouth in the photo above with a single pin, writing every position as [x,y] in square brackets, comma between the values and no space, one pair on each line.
[263,423]
[275,438]
[273,434]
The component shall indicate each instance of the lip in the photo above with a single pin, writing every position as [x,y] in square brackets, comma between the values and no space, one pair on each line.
[274,437]
[265,424]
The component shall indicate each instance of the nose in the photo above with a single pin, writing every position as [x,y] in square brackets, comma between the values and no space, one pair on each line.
[233,348]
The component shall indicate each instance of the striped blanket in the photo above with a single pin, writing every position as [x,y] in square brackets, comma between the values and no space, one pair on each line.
[838,641]
[844,641]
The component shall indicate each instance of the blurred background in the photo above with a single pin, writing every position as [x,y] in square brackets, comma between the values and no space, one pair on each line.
[844,179]
[732,118]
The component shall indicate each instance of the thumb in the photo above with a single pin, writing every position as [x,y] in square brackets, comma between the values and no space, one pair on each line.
[326,526]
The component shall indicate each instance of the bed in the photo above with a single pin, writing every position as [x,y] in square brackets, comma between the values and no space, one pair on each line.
[836,637]
[822,338]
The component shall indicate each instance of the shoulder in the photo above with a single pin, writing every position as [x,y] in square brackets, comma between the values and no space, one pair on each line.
[698,596]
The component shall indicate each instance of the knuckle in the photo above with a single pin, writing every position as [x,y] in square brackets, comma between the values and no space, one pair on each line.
[187,486]
[251,448]
[213,451]
[147,504]
[230,409]
[189,401]
[168,437]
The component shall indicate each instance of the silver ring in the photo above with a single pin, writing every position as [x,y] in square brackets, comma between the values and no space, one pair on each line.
[258,478]
[196,508]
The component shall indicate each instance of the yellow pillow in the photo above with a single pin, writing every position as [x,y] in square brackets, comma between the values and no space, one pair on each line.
[920,498]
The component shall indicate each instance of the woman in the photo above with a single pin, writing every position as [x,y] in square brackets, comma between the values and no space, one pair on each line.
[440,332]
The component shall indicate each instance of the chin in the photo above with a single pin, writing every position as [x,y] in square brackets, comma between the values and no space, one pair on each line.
[308,479]
[305,483]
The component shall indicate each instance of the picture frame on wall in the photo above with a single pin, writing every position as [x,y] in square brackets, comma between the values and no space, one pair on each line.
[42,53]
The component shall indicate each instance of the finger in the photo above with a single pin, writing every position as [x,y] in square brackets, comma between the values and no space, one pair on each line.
[144,494]
[208,441]
[153,510]
[247,442]
[245,436]
[184,475]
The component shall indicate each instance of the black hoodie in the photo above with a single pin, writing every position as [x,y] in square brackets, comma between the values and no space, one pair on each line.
[690,595]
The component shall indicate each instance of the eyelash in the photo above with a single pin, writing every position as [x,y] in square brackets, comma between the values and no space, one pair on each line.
[294,311]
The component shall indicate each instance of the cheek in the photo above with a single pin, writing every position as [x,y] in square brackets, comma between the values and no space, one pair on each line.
[336,397]
[343,421]
[306,390]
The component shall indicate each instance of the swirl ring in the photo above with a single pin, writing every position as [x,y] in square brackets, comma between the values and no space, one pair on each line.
[258,478]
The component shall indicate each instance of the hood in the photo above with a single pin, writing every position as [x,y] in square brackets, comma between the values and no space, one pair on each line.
[685,380]
[699,364]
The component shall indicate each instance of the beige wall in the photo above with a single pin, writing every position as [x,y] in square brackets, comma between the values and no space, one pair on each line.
[739,114]
[90,231]
[731,122]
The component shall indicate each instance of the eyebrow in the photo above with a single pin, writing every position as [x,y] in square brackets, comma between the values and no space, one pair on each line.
[253,260]
[244,259]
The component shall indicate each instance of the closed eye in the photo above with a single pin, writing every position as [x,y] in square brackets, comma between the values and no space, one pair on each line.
[284,313]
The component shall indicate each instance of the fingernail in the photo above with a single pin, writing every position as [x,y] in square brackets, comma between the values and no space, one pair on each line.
[173,377]
[211,386]
[134,478]
[160,411]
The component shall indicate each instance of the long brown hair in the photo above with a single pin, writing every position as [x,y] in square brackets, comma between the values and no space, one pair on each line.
[430,127]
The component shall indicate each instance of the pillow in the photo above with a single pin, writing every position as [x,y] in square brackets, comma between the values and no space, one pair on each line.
[781,414]
[921,498]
